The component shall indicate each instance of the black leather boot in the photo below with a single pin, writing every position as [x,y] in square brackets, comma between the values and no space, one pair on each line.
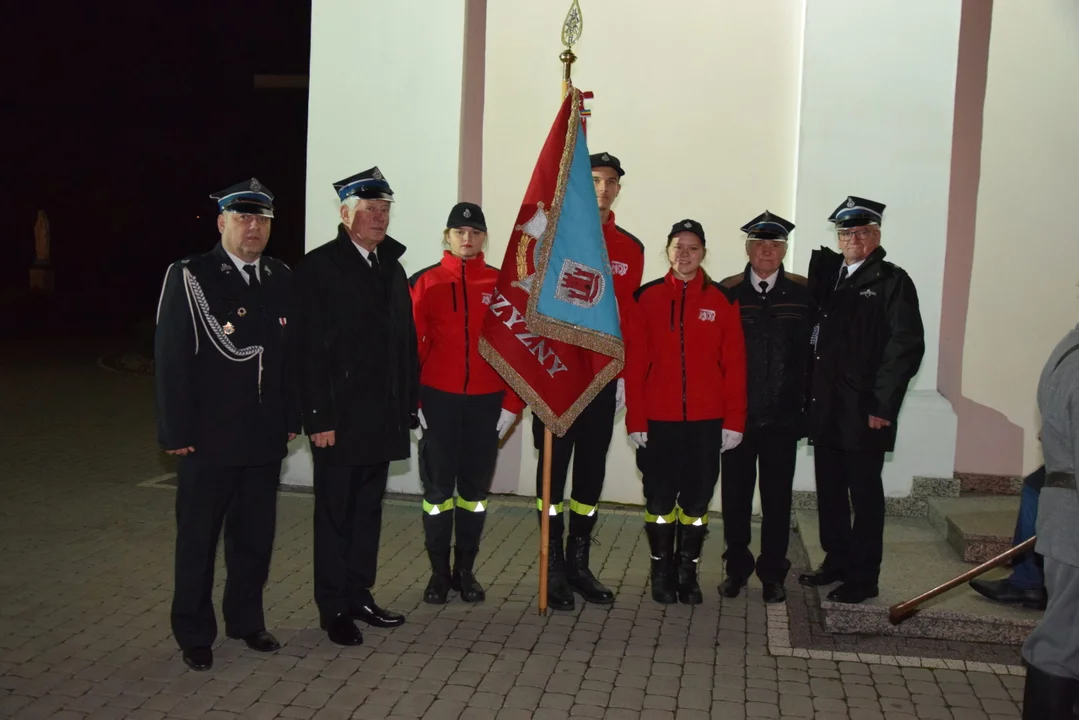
[1049,697]
[469,528]
[578,575]
[690,542]
[661,548]
[559,592]
[438,530]
[463,581]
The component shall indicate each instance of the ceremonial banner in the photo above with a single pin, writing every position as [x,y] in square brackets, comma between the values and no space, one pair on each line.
[552,331]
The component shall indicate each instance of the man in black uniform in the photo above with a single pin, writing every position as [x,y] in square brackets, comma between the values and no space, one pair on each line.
[777,317]
[224,410]
[358,375]
[869,342]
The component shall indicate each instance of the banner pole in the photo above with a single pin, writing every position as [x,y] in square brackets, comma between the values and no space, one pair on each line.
[545,520]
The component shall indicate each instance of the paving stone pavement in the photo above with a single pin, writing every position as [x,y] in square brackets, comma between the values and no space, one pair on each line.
[85,587]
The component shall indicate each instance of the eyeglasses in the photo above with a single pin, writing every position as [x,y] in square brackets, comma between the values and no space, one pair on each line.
[245,218]
[862,233]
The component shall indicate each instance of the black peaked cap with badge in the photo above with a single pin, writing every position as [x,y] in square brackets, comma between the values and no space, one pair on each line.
[249,196]
[607,160]
[687,225]
[768,226]
[466,214]
[370,184]
[856,211]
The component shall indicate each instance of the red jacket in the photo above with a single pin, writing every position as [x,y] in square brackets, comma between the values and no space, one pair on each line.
[685,355]
[626,254]
[449,301]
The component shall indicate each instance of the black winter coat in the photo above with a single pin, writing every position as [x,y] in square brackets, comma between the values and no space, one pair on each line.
[355,352]
[777,328]
[211,392]
[869,345]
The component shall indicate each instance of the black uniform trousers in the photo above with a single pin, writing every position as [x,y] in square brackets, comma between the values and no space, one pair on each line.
[587,441]
[680,467]
[244,500]
[348,524]
[775,449]
[458,451]
[855,549]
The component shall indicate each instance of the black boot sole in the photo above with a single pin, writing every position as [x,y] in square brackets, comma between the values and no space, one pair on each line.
[595,600]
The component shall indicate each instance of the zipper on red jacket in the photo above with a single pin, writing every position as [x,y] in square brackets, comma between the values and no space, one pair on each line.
[464,296]
[682,332]
[453,294]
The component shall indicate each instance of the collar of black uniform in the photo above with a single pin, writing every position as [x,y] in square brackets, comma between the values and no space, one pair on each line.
[388,250]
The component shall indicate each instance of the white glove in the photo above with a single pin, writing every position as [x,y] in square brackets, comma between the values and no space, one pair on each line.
[504,421]
[640,439]
[423,425]
[731,439]
[620,395]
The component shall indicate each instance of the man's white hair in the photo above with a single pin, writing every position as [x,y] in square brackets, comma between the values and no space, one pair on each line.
[350,202]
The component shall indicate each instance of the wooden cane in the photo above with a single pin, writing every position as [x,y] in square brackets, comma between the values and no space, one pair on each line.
[545,520]
[901,611]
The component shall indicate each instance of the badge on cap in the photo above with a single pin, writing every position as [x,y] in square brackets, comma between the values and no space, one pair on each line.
[606,157]
[850,203]
[241,312]
[467,213]
[256,185]
[687,224]
[228,328]
[377,174]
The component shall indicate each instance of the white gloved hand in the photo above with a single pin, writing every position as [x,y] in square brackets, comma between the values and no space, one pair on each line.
[423,425]
[640,439]
[504,421]
[731,439]
[620,395]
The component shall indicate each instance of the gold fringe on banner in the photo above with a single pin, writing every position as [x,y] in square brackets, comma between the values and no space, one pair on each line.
[557,424]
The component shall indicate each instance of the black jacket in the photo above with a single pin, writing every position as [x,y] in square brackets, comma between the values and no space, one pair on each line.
[355,352]
[777,328]
[869,346]
[210,395]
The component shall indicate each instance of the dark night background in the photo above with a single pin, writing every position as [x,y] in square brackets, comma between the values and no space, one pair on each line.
[126,116]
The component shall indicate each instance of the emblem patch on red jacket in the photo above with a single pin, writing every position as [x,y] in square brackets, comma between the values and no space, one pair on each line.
[707,315]
[619,268]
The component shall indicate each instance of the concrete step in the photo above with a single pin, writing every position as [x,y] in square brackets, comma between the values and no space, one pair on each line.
[978,527]
[989,484]
[917,559]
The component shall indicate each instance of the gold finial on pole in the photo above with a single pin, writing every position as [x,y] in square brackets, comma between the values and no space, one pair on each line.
[571,33]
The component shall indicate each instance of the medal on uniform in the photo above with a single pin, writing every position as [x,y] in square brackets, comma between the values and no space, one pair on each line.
[241,312]
[228,328]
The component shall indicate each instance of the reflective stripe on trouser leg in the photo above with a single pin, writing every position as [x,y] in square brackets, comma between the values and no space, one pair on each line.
[691,520]
[582,518]
[430,509]
[555,508]
[661,519]
[469,517]
[476,506]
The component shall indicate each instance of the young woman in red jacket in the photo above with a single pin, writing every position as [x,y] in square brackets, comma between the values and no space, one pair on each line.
[685,404]
[465,406]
